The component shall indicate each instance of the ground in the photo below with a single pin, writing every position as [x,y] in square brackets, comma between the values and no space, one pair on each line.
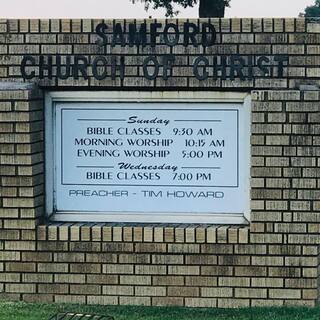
[25,311]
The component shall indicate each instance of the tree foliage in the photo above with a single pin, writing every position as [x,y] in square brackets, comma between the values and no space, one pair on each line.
[313,11]
[207,8]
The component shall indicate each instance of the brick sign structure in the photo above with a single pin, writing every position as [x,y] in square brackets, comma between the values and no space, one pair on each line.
[171,162]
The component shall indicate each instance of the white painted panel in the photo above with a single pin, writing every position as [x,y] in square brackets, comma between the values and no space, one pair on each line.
[151,157]
[176,157]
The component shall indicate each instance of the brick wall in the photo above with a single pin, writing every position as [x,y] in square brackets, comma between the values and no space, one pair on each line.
[272,38]
[273,261]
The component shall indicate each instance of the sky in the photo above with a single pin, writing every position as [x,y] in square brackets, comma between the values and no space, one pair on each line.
[125,9]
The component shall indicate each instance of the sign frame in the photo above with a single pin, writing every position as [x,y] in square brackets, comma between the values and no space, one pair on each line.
[53,97]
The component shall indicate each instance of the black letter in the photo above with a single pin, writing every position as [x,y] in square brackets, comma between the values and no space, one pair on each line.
[263,68]
[222,67]
[115,67]
[80,67]
[281,60]
[137,37]
[237,64]
[199,60]
[154,33]
[59,67]
[211,41]
[174,41]
[43,66]
[191,35]
[118,35]
[23,67]
[95,67]
[250,67]
[145,68]
[168,61]
[100,31]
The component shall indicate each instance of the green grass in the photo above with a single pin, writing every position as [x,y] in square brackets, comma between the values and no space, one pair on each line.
[28,311]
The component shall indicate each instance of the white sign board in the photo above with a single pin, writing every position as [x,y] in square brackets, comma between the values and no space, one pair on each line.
[155,158]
